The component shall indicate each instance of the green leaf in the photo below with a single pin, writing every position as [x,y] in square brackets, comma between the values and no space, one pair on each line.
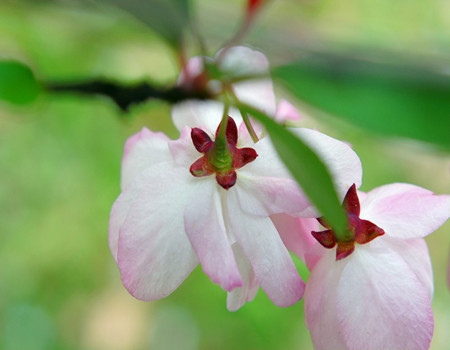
[17,83]
[169,18]
[391,100]
[306,167]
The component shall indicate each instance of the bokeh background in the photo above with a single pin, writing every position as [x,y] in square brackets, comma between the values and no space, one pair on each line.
[60,166]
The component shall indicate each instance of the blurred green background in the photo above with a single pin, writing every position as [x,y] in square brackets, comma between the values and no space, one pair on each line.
[60,167]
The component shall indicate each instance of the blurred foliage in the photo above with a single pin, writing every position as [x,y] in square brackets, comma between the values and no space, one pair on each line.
[60,165]
[170,18]
[392,100]
[17,83]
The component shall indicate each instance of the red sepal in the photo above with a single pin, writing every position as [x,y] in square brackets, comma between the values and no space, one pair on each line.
[325,238]
[351,201]
[226,180]
[344,249]
[243,156]
[211,162]
[323,222]
[368,232]
[231,132]
[361,231]
[199,168]
[202,142]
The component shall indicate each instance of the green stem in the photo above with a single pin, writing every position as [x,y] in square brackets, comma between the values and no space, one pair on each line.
[223,125]
[249,125]
[245,116]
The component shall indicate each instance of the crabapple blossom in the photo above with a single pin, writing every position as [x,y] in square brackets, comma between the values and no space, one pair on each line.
[206,198]
[374,290]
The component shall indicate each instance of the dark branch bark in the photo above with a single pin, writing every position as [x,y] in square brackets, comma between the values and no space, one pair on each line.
[125,96]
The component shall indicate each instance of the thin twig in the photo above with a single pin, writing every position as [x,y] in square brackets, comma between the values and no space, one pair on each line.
[125,96]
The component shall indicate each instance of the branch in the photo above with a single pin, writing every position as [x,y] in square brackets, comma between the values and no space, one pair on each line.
[126,96]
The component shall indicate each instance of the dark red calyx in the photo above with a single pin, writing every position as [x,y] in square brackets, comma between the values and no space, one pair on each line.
[220,157]
[360,231]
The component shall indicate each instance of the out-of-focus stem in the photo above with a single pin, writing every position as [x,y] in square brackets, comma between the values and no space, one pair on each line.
[249,126]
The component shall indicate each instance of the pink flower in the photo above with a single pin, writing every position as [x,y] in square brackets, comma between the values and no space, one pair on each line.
[187,201]
[374,290]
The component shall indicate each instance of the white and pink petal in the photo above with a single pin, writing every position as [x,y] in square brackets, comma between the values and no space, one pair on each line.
[269,258]
[342,162]
[239,296]
[265,186]
[154,253]
[286,112]
[143,149]
[405,211]
[205,228]
[121,207]
[258,92]
[295,233]
[416,255]
[268,188]
[370,300]
[381,304]
[320,303]
[182,150]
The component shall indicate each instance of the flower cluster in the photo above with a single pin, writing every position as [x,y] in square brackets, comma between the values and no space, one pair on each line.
[216,197]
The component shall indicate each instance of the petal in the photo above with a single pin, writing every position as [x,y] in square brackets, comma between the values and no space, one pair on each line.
[205,115]
[182,150]
[405,211]
[155,255]
[238,61]
[194,67]
[320,303]
[314,254]
[243,61]
[258,92]
[121,207]
[296,233]
[245,139]
[381,304]
[205,227]
[417,257]
[342,162]
[143,149]
[268,163]
[269,195]
[269,258]
[286,111]
[239,296]
[266,187]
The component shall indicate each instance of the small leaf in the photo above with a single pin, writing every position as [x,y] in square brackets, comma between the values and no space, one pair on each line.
[167,17]
[17,83]
[392,100]
[306,167]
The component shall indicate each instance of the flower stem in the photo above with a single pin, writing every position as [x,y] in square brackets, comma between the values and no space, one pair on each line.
[249,126]
[223,124]
[245,116]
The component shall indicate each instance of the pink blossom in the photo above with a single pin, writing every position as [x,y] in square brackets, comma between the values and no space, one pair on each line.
[180,207]
[374,291]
